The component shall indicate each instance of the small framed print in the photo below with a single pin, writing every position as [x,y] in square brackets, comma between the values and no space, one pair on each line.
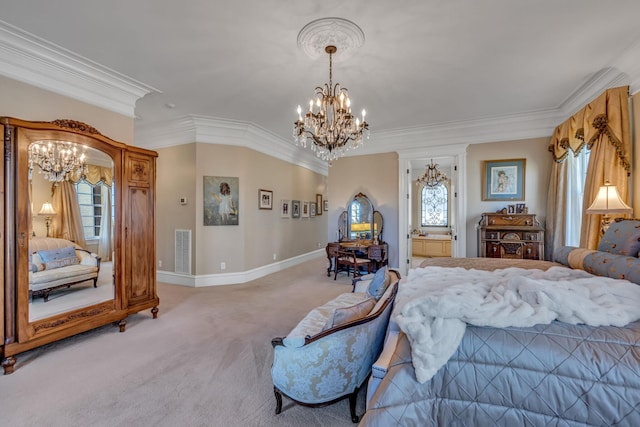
[318,204]
[285,208]
[520,208]
[305,209]
[503,179]
[312,209]
[295,209]
[265,199]
[511,209]
[326,205]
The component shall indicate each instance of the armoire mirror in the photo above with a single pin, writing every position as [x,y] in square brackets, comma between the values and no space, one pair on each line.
[87,205]
[78,209]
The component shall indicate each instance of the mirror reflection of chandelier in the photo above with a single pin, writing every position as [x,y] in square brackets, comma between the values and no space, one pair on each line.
[57,160]
[329,124]
[432,176]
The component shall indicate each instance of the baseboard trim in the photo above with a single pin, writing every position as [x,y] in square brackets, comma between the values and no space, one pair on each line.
[234,278]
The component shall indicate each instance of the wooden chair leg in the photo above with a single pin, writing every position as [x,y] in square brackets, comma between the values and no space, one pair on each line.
[353,398]
[278,400]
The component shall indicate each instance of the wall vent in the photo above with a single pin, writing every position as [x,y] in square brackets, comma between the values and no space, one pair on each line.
[183,252]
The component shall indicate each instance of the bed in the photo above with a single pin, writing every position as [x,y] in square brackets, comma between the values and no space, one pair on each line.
[555,374]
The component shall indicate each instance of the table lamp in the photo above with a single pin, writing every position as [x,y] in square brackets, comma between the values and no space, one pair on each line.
[47,211]
[608,202]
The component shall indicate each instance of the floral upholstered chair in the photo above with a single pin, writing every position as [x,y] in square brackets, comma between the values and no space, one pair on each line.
[317,369]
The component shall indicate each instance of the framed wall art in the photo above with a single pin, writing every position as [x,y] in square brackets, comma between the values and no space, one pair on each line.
[326,205]
[503,179]
[305,209]
[295,209]
[318,204]
[285,208]
[220,200]
[312,209]
[265,199]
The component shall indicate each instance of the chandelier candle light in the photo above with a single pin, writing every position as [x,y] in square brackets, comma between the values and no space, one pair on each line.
[329,124]
[432,176]
[57,160]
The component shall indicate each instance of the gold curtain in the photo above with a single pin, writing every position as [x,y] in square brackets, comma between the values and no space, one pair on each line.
[603,126]
[96,174]
[67,223]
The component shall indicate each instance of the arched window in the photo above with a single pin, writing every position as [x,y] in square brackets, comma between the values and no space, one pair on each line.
[435,206]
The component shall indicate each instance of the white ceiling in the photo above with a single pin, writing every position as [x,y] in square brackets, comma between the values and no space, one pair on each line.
[424,62]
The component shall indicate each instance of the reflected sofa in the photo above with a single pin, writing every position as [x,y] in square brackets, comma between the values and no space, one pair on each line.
[56,263]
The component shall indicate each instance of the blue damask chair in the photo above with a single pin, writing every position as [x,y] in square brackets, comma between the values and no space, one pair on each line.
[333,364]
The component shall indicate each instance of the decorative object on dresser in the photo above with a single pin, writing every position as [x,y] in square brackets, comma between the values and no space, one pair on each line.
[126,173]
[505,235]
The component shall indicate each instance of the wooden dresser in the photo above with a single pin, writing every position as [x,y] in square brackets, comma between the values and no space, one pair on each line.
[511,236]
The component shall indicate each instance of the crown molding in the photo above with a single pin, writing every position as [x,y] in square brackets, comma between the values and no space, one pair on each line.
[29,59]
[212,130]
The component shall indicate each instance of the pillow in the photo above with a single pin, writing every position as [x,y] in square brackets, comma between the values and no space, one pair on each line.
[35,263]
[344,315]
[56,258]
[378,283]
[622,238]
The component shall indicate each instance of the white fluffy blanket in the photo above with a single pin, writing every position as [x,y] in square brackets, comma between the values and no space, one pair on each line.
[434,304]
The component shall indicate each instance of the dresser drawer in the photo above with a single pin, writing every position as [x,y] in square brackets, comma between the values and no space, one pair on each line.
[510,219]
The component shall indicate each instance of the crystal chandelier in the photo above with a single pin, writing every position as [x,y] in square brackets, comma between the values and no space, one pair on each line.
[329,124]
[432,177]
[57,160]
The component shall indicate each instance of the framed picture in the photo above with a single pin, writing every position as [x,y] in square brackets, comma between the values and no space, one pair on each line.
[318,204]
[326,205]
[305,209]
[503,179]
[295,209]
[312,208]
[511,209]
[220,200]
[520,208]
[265,199]
[285,208]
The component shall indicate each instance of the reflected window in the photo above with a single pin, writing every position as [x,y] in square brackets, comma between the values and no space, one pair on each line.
[435,206]
[90,202]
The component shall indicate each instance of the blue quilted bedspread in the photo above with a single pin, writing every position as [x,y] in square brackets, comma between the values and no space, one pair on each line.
[548,375]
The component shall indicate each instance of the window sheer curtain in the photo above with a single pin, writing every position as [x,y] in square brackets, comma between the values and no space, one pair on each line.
[603,126]
[67,223]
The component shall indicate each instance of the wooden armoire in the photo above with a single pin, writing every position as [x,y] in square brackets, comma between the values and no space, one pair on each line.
[26,322]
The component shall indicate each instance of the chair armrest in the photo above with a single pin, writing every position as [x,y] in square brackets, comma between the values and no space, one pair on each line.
[381,366]
[276,342]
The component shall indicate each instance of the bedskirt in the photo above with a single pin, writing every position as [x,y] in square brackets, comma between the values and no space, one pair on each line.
[547,375]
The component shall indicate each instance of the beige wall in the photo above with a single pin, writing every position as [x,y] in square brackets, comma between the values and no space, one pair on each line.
[260,234]
[375,175]
[634,184]
[22,101]
[538,168]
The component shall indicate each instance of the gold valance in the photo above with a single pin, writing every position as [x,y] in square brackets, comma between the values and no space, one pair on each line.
[608,114]
[96,174]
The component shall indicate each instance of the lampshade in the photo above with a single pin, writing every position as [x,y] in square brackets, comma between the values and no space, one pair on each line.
[47,209]
[608,201]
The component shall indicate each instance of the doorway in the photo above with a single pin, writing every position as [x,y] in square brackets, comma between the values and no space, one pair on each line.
[452,161]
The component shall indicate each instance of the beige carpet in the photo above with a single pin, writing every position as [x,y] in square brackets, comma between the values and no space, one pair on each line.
[204,362]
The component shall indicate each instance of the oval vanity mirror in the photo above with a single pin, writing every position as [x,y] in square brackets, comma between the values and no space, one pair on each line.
[378,224]
[72,205]
[360,218]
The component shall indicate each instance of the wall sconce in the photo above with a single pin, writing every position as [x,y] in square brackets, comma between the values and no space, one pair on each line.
[608,202]
[47,211]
